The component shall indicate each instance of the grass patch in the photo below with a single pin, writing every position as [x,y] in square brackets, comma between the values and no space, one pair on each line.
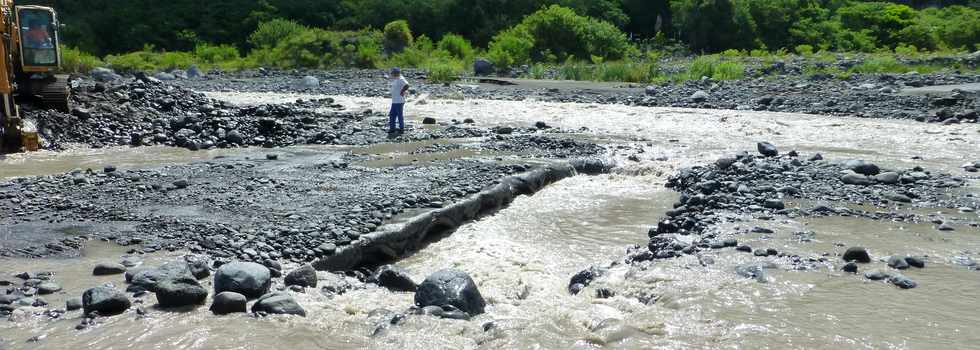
[714,68]
[75,61]
[888,64]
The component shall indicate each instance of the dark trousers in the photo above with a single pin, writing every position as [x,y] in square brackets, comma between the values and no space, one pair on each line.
[397,114]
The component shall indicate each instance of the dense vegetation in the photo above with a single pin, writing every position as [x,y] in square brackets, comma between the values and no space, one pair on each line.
[624,37]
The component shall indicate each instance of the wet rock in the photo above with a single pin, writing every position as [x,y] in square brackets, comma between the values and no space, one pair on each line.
[744,248]
[104,269]
[876,275]
[862,167]
[278,303]
[584,278]
[179,292]
[304,276]
[916,261]
[850,267]
[394,278]
[450,287]
[429,121]
[857,254]
[902,281]
[816,157]
[198,266]
[249,279]
[767,149]
[898,262]
[106,300]
[228,302]
[753,271]
[333,284]
[272,156]
[73,304]
[604,293]
[48,288]
[945,227]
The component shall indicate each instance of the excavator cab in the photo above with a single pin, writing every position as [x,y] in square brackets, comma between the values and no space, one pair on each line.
[39,39]
[40,58]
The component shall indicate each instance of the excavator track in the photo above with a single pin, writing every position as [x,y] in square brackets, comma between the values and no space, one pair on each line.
[56,95]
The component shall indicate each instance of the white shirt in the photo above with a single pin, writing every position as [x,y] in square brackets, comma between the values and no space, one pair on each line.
[396,89]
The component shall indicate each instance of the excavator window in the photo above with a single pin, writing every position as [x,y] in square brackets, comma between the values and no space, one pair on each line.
[38,38]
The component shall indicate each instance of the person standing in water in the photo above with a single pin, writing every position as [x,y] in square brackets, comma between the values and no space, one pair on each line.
[399,87]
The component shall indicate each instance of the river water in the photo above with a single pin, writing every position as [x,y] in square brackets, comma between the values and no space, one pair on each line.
[523,256]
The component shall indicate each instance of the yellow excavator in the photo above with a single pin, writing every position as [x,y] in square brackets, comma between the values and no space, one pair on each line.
[29,58]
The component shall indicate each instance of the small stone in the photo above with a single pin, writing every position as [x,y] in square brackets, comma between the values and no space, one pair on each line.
[271,156]
[428,121]
[898,262]
[106,300]
[394,278]
[305,276]
[915,261]
[767,149]
[902,282]
[876,275]
[850,267]
[48,288]
[105,269]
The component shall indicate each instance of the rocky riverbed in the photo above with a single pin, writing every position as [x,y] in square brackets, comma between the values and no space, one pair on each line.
[243,233]
[861,95]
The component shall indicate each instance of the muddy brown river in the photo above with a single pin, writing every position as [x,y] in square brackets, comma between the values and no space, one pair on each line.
[523,257]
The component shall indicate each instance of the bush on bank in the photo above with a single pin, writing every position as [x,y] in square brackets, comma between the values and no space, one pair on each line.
[583,48]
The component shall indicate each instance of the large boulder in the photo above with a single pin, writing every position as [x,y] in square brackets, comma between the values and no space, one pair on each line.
[246,278]
[181,291]
[450,287]
[862,167]
[310,82]
[106,300]
[305,276]
[482,67]
[193,72]
[858,254]
[228,302]
[394,278]
[278,303]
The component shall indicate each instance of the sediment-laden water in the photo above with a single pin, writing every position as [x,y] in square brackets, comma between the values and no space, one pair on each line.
[523,256]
